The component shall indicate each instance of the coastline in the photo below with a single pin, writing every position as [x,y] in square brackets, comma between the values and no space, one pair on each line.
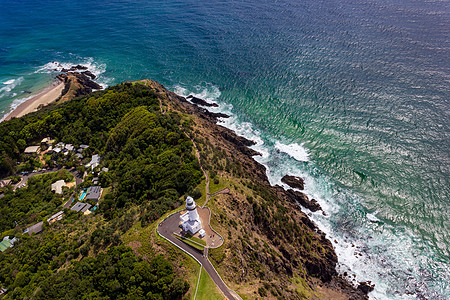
[44,97]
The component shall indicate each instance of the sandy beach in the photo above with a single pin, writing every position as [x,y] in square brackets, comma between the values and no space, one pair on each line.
[44,97]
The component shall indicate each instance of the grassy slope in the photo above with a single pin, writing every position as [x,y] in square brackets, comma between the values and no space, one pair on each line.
[207,290]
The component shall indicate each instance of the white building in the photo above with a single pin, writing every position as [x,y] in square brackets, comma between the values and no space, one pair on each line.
[32,150]
[190,221]
[95,161]
[57,186]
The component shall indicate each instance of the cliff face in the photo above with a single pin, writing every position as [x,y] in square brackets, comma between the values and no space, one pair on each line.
[272,249]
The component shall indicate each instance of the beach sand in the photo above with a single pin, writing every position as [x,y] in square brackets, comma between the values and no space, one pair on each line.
[45,97]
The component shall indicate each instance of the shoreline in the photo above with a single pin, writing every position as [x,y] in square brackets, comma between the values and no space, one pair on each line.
[44,97]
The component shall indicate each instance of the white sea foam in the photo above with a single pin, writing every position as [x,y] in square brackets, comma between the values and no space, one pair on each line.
[13,106]
[7,82]
[372,217]
[206,91]
[9,86]
[294,150]
[95,68]
[211,93]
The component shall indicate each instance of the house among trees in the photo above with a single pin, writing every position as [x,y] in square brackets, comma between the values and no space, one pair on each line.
[47,142]
[56,217]
[57,186]
[93,193]
[36,228]
[33,150]
[95,161]
[4,183]
[57,150]
[81,207]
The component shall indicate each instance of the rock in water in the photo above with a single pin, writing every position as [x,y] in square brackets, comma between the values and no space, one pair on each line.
[366,287]
[201,102]
[89,73]
[294,182]
[303,200]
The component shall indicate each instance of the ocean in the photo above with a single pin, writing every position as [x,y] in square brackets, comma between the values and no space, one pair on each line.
[352,95]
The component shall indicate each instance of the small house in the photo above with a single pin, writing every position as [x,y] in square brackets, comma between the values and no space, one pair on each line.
[57,186]
[5,182]
[81,207]
[7,243]
[36,228]
[32,150]
[95,161]
[93,193]
[56,217]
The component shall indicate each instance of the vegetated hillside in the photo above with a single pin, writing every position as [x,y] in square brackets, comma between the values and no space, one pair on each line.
[151,169]
[33,203]
[272,249]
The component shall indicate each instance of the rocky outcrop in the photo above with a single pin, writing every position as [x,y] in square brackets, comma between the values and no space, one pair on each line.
[366,287]
[74,68]
[89,73]
[294,182]
[77,84]
[201,102]
[303,200]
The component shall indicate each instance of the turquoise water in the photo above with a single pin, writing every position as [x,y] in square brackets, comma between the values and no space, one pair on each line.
[82,195]
[353,95]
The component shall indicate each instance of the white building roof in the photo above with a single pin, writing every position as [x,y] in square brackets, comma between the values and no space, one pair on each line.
[94,161]
[57,186]
[32,149]
[57,215]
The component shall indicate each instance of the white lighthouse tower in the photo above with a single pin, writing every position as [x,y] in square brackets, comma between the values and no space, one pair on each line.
[190,221]
[191,207]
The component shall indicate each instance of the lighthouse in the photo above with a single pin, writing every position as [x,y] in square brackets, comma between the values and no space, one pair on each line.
[191,207]
[190,221]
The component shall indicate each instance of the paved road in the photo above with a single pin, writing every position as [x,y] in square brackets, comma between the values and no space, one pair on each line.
[165,229]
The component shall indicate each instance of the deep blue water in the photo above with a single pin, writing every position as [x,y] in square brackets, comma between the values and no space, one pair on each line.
[353,95]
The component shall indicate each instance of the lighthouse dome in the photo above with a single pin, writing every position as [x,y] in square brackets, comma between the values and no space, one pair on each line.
[190,203]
